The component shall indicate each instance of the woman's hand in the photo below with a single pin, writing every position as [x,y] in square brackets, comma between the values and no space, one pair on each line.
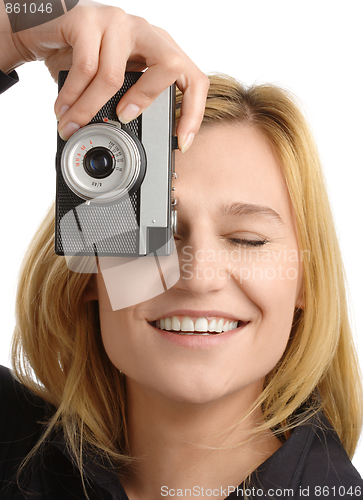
[98,43]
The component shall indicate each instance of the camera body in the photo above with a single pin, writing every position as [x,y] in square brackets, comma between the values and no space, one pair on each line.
[114,193]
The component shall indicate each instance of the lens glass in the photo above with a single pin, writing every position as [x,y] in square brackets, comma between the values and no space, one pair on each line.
[99,162]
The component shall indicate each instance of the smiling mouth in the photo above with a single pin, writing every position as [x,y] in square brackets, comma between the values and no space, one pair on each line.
[185,325]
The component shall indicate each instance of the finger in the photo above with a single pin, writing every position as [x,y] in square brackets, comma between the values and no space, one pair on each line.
[164,62]
[195,90]
[84,68]
[167,64]
[106,82]
[151,84]
[194,84]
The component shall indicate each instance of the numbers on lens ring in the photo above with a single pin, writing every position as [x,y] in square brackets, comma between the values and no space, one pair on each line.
[18,8]
[117,152]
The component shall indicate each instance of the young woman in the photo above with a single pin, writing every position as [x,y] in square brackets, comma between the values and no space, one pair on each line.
[241,379]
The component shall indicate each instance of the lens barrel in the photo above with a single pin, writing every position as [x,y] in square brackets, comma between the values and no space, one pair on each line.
[99,162]
[102,162]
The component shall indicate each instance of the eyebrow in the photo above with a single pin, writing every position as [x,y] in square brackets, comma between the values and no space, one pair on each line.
[251,209]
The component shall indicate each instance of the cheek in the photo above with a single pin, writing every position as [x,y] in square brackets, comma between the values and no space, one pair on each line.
[273,278]
[115,331]
[113,326]
[269,292]
[271,284]
[113,336]
[127,344]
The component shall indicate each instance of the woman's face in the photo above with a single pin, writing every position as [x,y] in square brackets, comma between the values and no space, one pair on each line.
[239,262]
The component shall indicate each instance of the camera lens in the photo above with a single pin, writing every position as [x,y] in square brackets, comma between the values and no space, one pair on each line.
[99,162]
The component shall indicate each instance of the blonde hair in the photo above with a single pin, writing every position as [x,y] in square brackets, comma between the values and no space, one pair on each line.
[57,348]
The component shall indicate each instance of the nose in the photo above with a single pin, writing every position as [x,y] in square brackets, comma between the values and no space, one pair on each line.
[202,266]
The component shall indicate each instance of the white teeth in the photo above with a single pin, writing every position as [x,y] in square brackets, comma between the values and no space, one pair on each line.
[187,326]
[201,325]
[175,324]
[219,325]
[212,325]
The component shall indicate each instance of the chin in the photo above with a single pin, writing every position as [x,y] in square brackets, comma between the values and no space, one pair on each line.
[198,396]
[196,391]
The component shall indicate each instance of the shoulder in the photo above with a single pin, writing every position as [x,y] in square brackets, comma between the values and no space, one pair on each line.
[327,464]
[22,419]
[18,403]
[311,464]
[50,474]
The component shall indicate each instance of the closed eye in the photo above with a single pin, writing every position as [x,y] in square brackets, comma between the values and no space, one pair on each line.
[245,242]
[248,243]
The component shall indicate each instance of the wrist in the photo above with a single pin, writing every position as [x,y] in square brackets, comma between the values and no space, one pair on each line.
[9,59]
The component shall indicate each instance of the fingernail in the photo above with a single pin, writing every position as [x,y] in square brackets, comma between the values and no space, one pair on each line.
[62,112]
[128,113]
[187,143]
[68,130]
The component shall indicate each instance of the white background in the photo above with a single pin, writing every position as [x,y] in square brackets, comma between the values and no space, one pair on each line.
[312,47]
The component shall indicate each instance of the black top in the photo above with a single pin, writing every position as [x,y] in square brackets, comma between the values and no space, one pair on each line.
[312,463]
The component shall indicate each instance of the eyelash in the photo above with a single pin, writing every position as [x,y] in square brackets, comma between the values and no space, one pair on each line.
[249,243]
[240,242]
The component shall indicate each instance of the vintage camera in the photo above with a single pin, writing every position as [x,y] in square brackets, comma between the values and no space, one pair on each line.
[114,194]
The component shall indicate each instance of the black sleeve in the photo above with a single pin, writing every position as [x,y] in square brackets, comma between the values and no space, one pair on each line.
[7,81]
